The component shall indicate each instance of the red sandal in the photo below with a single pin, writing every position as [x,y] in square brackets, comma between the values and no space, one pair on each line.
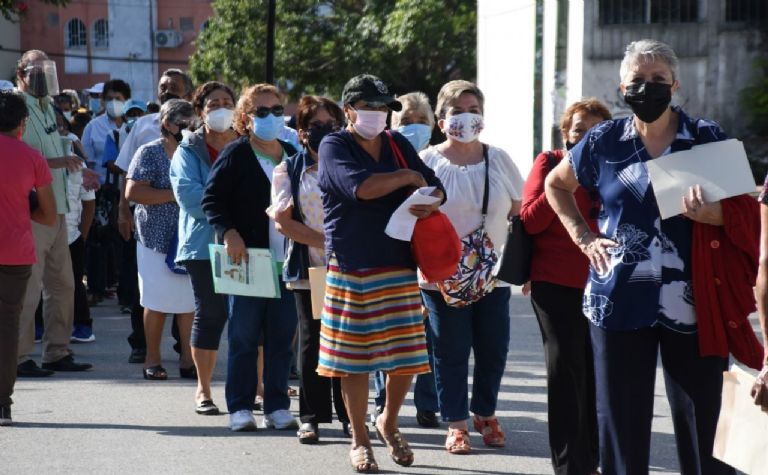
[457,441]
[491,431]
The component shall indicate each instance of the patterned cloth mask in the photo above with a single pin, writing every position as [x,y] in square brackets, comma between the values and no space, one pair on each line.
[464,127]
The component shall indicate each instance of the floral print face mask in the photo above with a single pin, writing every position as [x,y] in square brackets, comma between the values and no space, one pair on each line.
[464,127]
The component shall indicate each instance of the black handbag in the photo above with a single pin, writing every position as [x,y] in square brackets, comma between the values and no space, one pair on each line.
[515,264]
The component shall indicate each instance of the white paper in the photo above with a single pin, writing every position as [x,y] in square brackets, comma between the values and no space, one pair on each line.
[255,278]
[721,168]
[402,222]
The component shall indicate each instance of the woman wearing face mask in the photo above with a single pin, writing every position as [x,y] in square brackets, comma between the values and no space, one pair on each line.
[162,289]
[654,285]
[214,103]
[415,122]
[297,208]
[372,315]
[558,276]
[234,201]
[466,166]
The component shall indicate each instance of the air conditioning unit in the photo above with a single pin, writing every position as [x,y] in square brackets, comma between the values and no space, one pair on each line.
[168,38]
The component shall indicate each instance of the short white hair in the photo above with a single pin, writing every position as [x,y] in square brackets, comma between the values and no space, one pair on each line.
[416,102]
[648,51]
[176,111]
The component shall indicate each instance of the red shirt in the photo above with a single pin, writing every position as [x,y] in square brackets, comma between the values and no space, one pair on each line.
[556,258]
[22,169]
[212,152]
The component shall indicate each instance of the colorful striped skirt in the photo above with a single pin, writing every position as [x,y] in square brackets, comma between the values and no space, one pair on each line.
[372,321]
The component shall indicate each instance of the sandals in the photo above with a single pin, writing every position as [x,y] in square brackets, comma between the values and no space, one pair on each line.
[457,441]
[491,431]
[362,460]
[157,373]
[308,433]
[206,407]
[399,450]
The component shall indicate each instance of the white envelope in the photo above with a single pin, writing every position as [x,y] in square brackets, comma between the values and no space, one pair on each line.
[402,222]
[721,168]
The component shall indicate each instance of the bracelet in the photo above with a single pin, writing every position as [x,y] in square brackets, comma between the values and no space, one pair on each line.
[582,236]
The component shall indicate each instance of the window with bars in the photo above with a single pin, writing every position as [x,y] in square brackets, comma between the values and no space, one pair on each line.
[76,34]
[101,33]
[186,23]
[640,12]
[750,11]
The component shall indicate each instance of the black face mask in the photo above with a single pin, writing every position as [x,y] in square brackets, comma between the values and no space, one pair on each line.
[177,136]
[37,84]
[167,96]
[569,145]
[316,135]
[648,100]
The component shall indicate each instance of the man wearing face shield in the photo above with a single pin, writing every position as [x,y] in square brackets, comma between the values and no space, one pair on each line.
[52,274]
[173,84]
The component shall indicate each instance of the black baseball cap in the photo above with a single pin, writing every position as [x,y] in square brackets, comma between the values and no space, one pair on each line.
[372,90]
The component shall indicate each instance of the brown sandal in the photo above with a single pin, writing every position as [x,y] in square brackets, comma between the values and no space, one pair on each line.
[399,450]
[491,431]
[362,460]
[457,441]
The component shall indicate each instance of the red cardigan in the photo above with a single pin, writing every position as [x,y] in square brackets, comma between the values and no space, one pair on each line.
[724,268]
[556,258]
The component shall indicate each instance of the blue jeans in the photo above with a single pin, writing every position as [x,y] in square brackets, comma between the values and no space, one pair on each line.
[625,373]
[424,391]
[250,318]
[482,327]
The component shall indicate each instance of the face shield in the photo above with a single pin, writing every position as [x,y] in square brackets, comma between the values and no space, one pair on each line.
[41,78]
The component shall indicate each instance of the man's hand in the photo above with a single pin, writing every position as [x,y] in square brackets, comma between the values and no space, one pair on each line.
[90,180]
[759,390]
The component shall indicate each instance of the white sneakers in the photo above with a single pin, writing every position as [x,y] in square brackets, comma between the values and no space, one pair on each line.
[280,419]
[242,421]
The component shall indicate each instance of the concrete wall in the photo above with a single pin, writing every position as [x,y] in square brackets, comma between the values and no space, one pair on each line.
[10,38]
[505,74]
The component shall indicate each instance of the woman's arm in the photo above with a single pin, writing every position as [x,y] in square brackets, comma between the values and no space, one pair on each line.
[760,388]
[536,213]
[382,184]
[187,182]
[143,193]
[297,231]
[45,213]
[559,186]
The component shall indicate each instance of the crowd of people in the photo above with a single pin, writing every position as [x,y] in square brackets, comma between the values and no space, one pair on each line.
[131,195]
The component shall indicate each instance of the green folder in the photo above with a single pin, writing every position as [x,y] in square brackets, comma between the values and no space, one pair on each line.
[258,277]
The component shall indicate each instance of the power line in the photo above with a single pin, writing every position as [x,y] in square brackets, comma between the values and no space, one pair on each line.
[99,58]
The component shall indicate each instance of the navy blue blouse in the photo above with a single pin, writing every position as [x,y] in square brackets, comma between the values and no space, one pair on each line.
[354,229]
[649,279]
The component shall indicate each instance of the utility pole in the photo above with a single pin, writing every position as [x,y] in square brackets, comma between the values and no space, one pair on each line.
[270,63]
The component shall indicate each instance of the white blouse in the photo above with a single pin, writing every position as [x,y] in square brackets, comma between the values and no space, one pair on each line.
[464,187]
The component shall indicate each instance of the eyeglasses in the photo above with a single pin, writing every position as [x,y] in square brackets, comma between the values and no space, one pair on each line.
[262,112]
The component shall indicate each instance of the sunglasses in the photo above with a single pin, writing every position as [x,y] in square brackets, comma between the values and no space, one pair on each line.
[262,112]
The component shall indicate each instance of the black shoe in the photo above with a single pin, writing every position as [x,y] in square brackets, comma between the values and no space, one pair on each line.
[427,419]
[138,355]
[188,373]
[29,369]
[5,416]
[67,364]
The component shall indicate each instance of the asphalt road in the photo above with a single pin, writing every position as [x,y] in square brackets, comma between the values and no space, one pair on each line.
[110,420]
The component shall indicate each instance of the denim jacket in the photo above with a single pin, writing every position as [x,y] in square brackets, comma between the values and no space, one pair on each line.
[297,254]
[190,167]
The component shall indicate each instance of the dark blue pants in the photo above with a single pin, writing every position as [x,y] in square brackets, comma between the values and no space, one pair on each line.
[250,318]
[482,327]
[625,372]
[210,307]
[424,391]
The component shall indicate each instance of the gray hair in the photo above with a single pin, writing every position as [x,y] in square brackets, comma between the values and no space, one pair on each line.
[648,51]
[452,90]
[176,111]
[28,58]
[415,102]
[178,72]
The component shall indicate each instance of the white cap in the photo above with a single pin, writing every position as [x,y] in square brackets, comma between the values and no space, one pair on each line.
[97,88]
[6,85]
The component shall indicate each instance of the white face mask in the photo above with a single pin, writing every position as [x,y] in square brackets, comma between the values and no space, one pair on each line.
[67,115]
[464,127]
[369,124]
[115,108]
[219,120]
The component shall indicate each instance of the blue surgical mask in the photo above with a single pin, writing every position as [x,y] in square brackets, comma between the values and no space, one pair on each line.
[269,127]
[417,134]
[94,105]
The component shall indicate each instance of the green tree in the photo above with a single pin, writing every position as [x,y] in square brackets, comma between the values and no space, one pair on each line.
[411,44]
[12,10]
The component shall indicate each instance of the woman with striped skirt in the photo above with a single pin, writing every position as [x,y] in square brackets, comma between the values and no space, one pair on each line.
[372,316]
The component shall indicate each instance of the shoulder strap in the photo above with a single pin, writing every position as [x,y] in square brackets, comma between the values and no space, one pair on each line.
[288,148]
[485,185]
[116,137]
[396,151]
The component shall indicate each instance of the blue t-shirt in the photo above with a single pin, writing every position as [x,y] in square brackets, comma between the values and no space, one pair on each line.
[354,229]
[649,280]
[155,224]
